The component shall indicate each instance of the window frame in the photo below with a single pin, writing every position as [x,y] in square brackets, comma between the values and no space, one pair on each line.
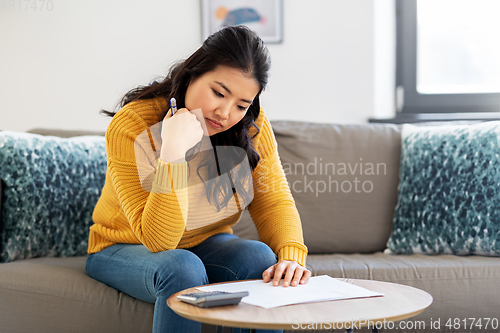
[406,73]
[411,106]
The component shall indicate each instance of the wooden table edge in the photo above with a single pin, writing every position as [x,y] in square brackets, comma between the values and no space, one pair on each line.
[288,326]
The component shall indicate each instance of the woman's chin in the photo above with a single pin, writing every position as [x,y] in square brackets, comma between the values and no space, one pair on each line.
[212,131]
[209,131]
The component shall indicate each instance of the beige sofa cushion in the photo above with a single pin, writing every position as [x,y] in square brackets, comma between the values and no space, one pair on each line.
[56,295]
[344,181]
[461,286]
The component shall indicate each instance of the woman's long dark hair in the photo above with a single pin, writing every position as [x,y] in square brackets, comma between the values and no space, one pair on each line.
[235,47]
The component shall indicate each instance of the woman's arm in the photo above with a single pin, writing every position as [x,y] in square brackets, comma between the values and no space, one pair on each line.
[157,211]
[275,214]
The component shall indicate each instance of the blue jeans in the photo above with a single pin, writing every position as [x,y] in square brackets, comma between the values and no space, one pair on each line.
[153,277]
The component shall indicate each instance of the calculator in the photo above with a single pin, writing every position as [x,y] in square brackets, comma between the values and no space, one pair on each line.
[206,299]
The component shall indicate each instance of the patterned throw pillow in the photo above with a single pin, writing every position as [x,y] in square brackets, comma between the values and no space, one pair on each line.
[50,188]
[449,191]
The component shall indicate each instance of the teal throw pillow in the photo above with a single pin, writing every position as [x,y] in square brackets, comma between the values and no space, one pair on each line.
[50,187]
[449,191]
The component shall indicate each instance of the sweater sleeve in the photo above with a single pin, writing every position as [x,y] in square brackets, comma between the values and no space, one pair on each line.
[273,208]
[157,214]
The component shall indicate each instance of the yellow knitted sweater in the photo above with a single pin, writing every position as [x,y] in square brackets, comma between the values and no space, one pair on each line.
[128,213]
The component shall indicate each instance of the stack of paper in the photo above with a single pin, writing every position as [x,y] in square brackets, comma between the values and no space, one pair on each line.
[317,289]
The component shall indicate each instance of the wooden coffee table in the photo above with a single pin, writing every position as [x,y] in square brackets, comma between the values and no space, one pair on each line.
[399,302]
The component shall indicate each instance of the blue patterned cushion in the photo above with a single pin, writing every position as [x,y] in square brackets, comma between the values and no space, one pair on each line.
[51,186]
[449,191]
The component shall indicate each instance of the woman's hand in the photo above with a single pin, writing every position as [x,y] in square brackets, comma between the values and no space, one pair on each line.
[179,133]
[292,271]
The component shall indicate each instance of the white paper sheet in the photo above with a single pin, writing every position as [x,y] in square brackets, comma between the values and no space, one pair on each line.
[317,289]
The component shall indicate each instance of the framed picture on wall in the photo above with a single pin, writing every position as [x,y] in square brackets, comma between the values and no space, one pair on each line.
[262,16]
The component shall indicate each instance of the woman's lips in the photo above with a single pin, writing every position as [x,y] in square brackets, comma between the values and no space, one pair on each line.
[213,123]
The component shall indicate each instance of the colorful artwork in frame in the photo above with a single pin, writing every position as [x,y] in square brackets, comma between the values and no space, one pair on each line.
[262,16]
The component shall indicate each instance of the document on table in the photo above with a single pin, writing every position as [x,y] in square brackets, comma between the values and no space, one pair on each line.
[317,289]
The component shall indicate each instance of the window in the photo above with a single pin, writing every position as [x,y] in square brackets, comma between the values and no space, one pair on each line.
[448,60]
[460,55]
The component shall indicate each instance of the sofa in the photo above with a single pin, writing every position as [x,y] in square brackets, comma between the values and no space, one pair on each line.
[369,197]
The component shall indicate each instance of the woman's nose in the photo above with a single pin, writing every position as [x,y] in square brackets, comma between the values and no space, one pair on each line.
[223,111]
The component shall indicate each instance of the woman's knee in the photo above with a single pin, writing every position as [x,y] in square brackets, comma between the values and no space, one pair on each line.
[178,269]
[255,257]
[266,257]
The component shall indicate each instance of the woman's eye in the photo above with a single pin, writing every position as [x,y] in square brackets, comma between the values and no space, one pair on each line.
[242,108]
[218,94]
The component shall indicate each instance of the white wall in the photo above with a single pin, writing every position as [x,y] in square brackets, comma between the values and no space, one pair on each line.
[58,68]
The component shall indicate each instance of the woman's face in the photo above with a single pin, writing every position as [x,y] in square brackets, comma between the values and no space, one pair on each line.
[223,95]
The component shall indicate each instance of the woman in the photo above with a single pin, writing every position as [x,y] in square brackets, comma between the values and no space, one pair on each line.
[153,233]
